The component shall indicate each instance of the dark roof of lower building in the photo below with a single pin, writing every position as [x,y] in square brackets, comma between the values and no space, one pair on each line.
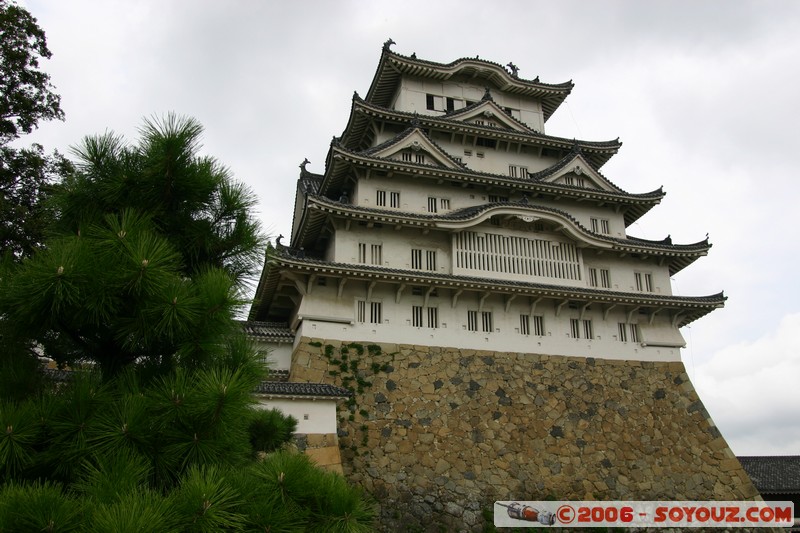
[278,375]
[277,331]
[277,388]
[773,473]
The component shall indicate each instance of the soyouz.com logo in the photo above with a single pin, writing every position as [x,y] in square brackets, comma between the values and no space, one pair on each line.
[643,514]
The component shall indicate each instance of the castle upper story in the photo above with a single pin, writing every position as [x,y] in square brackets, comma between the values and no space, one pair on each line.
[444,186]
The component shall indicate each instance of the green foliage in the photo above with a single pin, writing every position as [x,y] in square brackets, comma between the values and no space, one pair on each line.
[136,288]
[27,176]
[25,91]
[19,438]
[110,478]
[334,506]
[206,502]
[270,429]
[172,454]
[26,97]
[151,250]
[39,506]
[136,511]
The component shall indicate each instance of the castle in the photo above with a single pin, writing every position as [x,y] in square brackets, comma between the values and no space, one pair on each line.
[464,286]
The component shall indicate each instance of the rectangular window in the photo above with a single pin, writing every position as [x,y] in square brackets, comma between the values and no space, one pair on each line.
[407,157]
[433,317]
[434,102]
[593,277]
[375,312]
[495,198]
[644,281]
[587,329]
[419,158]
[381,199]
[605,278]
[516,171]
[575,328]
[622,332]
[634,333]
[416,259]
[430,260]
[451,104]
[444,203]
[600,225]
[524,324]
[372,254]
[416,316]
[468,153]
[376,254]
[432,205]
[486,321]
[569,180]
[361,311]
[472,320]
[538,325]
[394,199]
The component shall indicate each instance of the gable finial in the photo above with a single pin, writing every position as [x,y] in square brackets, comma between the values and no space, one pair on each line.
[304,163]
[415,120]
[487,95]
[514,69]
[387,45]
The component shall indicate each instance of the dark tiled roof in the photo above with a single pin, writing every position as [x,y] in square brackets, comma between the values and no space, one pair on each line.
[473,211]
[598,152]
[533,178]
[302,389]
[278,375]
[557,291]
[773,473]
[268,330]
[309,182]
[391,66]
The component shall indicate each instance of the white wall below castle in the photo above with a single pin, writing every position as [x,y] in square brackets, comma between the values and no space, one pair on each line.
[313,416]
[601,347]
[277,355]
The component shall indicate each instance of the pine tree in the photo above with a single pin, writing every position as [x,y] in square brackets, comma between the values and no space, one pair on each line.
[153,426]
[153,245]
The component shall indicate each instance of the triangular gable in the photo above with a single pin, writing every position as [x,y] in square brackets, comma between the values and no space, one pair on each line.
[579,173]
[415,147]
[487,113]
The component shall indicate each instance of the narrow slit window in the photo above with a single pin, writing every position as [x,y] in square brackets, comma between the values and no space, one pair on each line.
[524,324]
[472,320]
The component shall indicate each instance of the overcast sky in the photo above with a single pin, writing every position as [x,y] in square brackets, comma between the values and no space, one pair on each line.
[703,94]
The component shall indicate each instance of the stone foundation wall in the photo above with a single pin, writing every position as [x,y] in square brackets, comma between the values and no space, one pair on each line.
[322,448]
[438,434]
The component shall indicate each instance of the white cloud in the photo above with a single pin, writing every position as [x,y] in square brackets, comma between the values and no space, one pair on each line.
[751,391]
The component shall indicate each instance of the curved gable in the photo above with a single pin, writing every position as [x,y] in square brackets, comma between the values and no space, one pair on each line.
[530,218]
[487,113]
[414,147]
[576,171]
